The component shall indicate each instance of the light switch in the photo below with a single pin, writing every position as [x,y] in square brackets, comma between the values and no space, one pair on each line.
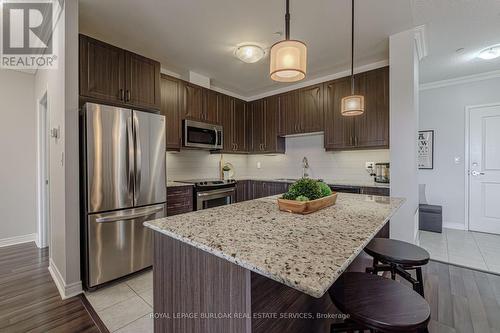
[258,165]
[458,159]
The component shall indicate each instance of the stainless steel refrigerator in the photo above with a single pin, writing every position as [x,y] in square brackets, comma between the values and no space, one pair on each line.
[123,183]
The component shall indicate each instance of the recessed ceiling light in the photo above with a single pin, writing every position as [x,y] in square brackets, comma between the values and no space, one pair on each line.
[490,52]
[249,53]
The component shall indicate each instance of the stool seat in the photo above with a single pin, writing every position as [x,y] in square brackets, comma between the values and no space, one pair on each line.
[379,303]
[397,252]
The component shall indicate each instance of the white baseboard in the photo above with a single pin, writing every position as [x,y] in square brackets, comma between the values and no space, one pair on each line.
[17,240]
[454,225]
[65,290]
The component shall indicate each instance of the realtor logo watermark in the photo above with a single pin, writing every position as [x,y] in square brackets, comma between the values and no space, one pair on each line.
[27,29]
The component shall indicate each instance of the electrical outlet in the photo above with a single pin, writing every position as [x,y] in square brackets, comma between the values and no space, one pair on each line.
[369,165]
[259,165]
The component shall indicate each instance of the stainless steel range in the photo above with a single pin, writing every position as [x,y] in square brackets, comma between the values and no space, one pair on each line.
[209,193]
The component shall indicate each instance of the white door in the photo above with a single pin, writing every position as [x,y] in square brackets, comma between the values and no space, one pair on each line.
[484,169]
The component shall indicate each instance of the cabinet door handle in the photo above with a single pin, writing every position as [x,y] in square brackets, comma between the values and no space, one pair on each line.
[355,140]
[128,96]
[122,94]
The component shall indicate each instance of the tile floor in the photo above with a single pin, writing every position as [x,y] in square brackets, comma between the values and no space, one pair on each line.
[464,248]
[126,307]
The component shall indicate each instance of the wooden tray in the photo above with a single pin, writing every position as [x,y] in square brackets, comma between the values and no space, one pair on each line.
[306,207]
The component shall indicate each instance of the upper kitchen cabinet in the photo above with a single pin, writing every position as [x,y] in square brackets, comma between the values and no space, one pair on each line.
[142,81]
[289,113]
[368,131]
[311,109]
[240,125]
[102,70]
[112,75]
[193,100]
[264,126]
[372,127]
[301,111]
[211,111]
[339,130]
[171,108]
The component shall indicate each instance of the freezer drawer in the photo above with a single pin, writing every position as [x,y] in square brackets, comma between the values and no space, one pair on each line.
[118,243]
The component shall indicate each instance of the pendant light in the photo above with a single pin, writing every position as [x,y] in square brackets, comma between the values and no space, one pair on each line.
[288,57]
[353,105]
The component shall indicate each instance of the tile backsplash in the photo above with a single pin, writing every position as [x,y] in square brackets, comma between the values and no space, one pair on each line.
[346,165]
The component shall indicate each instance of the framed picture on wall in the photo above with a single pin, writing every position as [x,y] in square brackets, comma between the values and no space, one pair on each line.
[425,150]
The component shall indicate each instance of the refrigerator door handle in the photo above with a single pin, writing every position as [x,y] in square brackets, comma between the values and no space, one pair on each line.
[121,217]
[138,159]
[130,157]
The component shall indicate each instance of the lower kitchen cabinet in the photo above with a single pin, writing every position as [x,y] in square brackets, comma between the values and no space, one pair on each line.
[243,190]
[262,189]
[382,191]
[179,200]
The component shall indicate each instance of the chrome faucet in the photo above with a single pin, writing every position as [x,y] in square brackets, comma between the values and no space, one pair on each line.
[305,166]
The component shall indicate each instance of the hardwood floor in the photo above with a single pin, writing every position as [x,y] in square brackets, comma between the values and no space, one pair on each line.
[462,300]
[29,299]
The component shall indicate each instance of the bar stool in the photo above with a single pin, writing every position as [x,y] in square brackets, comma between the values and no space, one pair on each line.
[397,257]
[378,304]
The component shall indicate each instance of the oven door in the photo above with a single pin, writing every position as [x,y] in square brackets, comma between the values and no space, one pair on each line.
[202,135]
[215,198]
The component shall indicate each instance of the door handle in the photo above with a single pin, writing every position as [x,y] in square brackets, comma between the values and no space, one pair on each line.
[477,173]
[122,217]
[130,158]
[216,137]
[138,159]
[122,94]
[128,96]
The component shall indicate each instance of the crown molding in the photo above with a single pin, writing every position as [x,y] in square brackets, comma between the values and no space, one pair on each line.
[321,79]
[461,80]
[301,84]
[421,41]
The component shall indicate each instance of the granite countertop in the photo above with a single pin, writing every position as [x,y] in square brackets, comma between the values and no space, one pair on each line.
[177,184]
[305,252]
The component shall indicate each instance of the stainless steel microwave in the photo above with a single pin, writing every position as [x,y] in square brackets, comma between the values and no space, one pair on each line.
[202,135]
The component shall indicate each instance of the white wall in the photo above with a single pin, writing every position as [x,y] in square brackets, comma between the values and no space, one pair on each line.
[18,131]
[346,166]
[61,85]
[443,110]
[403,92]
[339,166]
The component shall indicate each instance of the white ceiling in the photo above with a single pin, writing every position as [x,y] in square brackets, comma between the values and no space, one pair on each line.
[454,24]
[200,35]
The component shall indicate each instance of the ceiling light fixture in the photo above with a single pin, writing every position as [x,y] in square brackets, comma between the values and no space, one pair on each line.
[288,57]
[490,52]
[249,53]
[353,105]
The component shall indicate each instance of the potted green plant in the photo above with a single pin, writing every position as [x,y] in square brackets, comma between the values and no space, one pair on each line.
[306,196]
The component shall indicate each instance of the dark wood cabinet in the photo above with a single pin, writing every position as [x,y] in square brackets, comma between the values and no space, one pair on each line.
[368,131]
[262,189]
[170,108]
[179,200]
[264,126]
[211,106]
[142,78]
[339,130]
[310,110]
[240,126]
[289,113]
[372,127]
[301,111]
[382,191]
[115,76]
[193,98]
[243,190]
[102,70]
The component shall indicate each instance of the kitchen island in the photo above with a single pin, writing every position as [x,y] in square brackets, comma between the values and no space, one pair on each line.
[248,267]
